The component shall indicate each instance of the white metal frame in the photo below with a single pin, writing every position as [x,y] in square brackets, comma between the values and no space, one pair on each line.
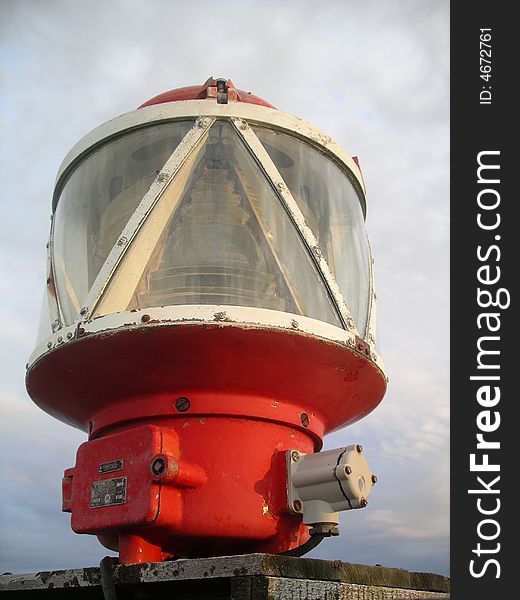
[205,113]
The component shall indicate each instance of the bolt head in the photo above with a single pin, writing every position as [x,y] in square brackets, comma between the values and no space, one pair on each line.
[374,479]
[359,448]
[363,502]
[182,404]
[348,469]
[158,465]
[295,456]
[297,506]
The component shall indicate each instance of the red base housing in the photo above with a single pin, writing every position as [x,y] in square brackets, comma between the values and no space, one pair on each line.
[188,429]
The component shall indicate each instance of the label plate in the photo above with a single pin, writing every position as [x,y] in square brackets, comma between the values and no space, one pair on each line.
[108,492]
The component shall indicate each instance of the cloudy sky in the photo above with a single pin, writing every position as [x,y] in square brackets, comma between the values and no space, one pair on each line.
[372,74]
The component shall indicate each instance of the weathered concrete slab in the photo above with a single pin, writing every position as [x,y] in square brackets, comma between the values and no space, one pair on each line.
[250,576]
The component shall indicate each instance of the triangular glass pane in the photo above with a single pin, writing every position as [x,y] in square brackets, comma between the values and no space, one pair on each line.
[229,241]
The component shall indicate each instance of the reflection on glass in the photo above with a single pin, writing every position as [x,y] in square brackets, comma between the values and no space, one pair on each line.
[97,201]
[332,210]
[229,241]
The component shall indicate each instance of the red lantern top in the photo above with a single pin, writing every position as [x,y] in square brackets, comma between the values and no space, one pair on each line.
[222,89]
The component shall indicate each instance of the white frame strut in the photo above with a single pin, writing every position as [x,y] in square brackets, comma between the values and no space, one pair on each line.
[172,166]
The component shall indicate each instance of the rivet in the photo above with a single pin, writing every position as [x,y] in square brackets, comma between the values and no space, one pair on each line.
[294,324]
[182,404]
[304,417]
[60,339]
[297,505]
[374,479]
[145,318]
[69,335]
[348,470]
[359,448]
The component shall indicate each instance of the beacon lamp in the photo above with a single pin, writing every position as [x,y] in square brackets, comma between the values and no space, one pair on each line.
[210,315]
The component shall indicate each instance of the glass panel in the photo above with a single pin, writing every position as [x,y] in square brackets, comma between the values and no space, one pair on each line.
[332,210]
[97,201]
[44,326]
[226,239]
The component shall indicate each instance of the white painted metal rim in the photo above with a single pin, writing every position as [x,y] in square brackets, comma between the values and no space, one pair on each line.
[191,109]
[223,315]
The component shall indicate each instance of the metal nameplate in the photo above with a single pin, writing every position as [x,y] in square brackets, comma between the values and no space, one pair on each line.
[109,467]
[108,492]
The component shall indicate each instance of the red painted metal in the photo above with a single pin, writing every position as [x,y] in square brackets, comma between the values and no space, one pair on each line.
[206,90]
[249,394]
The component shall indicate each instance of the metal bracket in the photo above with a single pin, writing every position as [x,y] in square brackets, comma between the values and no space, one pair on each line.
[322,484]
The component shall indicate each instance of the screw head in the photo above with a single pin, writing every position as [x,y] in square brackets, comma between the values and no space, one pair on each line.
[297,506]
[363,502]
[294,324]
[158,465]
[295,456]
[83,311]
[304,417]
[359,448]
[348,469]
[182,404]
[374,479]
[145,318]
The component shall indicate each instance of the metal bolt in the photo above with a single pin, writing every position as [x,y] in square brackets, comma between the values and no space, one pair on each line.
[60,339]
[81,330]
[297,505]
[182,404]
[359,448]
[295,455]
[145,318]
[304,419]
[69,335]
[295,324]
[374,479]
[363,503]
[348,470]
[158,465]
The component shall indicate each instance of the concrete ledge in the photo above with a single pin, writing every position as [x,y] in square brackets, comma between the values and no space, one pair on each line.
[244,577]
